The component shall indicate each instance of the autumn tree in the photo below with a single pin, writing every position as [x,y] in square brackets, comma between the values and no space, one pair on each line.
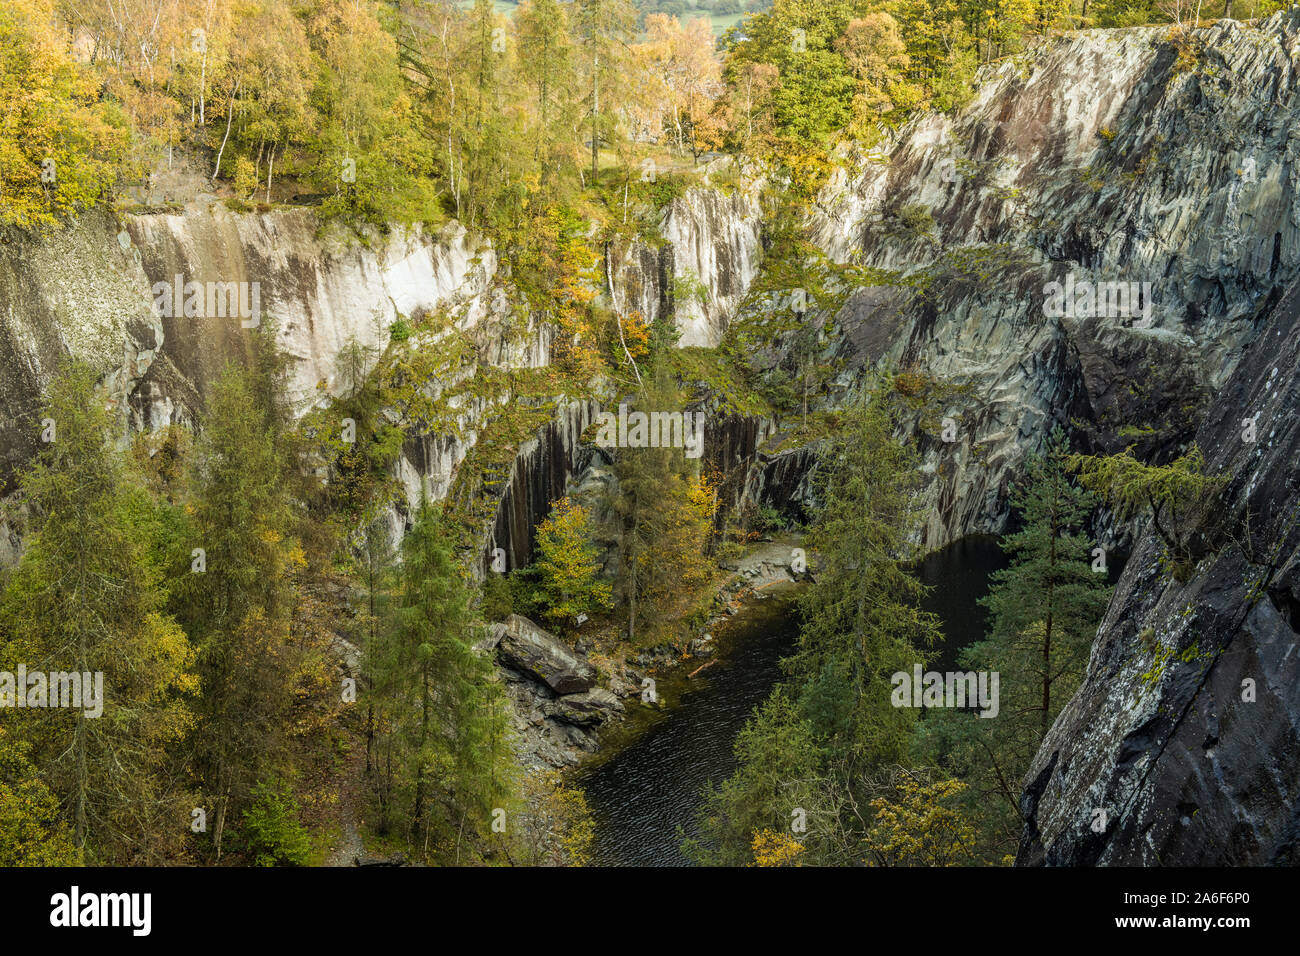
[60,146]
[32,831]
[551,823]
[753,84]
[135,54]
[683,66]
[567,567]
[918,825]
[776,849]
[874,49]
[265,85]
[206,54]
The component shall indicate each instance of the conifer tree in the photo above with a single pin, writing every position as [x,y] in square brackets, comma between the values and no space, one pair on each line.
[861,620]
[814,746]
[545,55]
[236,597]
[602,29]
[445,725]
[665,509]
[1050,586]
[87,597]
[1044,610]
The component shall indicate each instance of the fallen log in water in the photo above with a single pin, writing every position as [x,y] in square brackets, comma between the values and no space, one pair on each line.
[701,667]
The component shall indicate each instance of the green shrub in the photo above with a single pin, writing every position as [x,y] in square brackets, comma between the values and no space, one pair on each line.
[271,826]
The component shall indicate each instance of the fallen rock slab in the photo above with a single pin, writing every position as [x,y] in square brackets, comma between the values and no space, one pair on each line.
[529,649]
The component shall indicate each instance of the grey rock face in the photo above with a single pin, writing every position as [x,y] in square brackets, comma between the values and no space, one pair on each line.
[527,648]
[1093,159]
[87,292]
[1182,747]
[544,466]
[710,254]
[1098,160]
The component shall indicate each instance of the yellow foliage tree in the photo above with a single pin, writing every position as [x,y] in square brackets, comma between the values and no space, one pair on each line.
[776,849]
[58,146]
[31,833]
[567,566]
[917,828]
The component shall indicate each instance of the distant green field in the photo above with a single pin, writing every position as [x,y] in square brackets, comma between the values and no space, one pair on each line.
[724,21]
[720,21]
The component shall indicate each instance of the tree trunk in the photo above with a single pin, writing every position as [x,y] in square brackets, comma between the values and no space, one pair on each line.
[83,784]
[203,80]
[417,811]
[1047,632]
[222,802]
[595,117]
[230,115]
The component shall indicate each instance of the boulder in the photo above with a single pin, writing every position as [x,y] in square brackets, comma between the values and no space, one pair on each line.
[529,649]
[702,647]
[621,688]
[587,709]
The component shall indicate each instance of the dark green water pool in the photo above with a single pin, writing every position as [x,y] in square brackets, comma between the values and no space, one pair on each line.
[650,786]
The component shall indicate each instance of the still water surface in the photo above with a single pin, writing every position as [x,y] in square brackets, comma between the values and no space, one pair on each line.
[650,787]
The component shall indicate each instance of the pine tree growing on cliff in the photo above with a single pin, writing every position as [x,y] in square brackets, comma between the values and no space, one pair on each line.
[1051,583]
[1044,610]
[1178,496]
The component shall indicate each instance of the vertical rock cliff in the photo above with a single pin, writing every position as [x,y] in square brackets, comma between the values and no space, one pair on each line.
[1182,747]
[708,252]
[1100,158]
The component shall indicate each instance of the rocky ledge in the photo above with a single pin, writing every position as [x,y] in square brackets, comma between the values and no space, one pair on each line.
[558,707]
